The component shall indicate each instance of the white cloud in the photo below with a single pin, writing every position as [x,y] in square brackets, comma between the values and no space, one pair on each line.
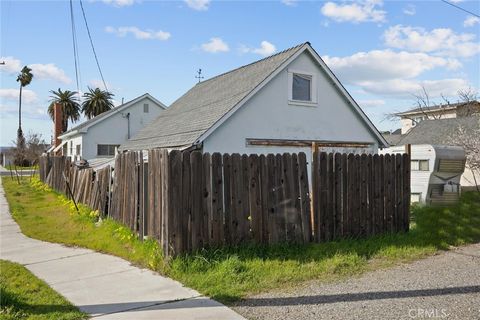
[372,103]
[147,34]
[410,10]
[28,96]
[11,65]
[199,5]
[441,41]
[266,49]
[120,3]
[49,71]
[215,45]
[401,88]
[471,21]
[290,3]
[381,65]
[356,12]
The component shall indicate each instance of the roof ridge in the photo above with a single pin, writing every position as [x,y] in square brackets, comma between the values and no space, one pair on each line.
[254,62]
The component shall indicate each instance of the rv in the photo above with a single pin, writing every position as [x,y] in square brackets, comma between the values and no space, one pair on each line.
[435,172]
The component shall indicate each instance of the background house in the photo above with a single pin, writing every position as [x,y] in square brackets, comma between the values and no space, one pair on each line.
[288,102]
[444,132]
[413,117]
[100,136]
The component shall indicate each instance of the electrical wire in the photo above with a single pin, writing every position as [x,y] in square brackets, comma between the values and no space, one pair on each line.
[458,7]
[75,48]
[93,47]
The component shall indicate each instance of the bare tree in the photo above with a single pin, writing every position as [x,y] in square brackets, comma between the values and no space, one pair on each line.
[34,146]
[424,104]
[469,140]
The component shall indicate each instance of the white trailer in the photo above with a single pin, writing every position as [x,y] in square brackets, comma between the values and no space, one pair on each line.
[435,172]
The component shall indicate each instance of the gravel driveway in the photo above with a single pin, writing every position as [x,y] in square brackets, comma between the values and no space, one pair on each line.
[445,286]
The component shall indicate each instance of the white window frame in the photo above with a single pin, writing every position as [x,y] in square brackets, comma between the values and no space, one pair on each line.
[313,88]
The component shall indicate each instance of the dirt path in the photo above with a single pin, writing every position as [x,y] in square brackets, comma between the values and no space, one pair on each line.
[445,286]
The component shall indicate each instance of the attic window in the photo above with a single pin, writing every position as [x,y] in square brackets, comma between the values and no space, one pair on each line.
[145,108]
[301,87]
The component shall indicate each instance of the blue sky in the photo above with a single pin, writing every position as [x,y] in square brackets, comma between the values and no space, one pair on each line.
[382,51]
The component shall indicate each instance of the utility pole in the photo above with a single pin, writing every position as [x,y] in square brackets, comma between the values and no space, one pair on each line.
[199,77]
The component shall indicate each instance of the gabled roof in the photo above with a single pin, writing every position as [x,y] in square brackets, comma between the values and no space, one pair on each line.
[83,127]
[450,106]
[191,118]
[440,131]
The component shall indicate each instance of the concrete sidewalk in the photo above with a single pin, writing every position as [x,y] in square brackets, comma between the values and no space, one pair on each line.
[101,285]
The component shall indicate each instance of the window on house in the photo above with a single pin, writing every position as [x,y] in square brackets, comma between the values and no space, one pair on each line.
[415,197]
[71,148]
[106,149]
[420,165]
[145,108]
[78,147]
[301,87]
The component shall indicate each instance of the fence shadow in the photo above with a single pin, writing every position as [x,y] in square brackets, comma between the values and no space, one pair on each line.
[354,297]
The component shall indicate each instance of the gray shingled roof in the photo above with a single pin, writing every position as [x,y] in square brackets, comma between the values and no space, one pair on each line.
[206,103]
[439,131]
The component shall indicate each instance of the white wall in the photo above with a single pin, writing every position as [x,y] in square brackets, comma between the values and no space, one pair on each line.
[73,142]
[407,123]
[114,129]
[269,115]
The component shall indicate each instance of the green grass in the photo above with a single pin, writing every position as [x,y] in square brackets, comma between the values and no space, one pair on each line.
[24,296]
[229,274]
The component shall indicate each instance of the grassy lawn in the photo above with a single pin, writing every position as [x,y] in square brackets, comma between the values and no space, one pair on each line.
[24,296]
[232,273]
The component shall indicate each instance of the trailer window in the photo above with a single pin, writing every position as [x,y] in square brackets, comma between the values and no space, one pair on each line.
[420,165]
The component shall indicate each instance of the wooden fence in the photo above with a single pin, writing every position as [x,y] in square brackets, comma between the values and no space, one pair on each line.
[87,186]
[360,195]
[190,200]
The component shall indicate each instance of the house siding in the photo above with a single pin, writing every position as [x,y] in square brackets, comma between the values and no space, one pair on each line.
[269,115]
[114,129]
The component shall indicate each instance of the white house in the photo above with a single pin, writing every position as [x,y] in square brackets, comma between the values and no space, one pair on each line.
[444,132]
[288,102]
[100,136]
[410,118]
[436,171]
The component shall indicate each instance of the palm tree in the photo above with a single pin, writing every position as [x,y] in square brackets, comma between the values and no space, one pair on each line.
[25,77]
[96,102]
[70,106]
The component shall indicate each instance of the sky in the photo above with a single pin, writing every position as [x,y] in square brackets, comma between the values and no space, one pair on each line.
[384,52]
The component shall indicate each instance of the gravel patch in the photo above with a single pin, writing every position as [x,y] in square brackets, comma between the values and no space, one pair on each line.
[444,286]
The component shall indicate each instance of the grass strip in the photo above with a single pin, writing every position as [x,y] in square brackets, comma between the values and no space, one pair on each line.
[228,274]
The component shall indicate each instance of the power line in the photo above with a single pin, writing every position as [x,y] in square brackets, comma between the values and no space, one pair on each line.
[458,7]
[93,48]
[75,49]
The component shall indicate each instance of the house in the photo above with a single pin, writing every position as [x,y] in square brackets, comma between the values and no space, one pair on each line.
[411,118]
[444,132]
[436,171]
[288,102]
[100,136]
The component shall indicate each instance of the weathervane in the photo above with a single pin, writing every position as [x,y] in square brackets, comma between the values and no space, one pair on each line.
[199,77]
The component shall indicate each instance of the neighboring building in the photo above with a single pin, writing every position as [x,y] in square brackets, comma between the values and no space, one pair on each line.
[288,102]
[413,117]
[100,136]
[435,172]
[443,132]
[6,156]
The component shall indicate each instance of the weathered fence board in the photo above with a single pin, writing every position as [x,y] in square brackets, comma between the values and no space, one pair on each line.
[360,195]
[190,200]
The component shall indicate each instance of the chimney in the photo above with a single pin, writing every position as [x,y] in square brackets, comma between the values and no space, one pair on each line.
[57,123]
